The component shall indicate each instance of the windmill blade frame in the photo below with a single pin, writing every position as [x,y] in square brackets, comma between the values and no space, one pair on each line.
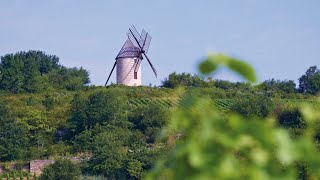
[134,36]
[114,65]
[145,41]
[146,44]
[152,67]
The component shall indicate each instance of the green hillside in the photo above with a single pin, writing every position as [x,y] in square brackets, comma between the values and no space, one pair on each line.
[51,113]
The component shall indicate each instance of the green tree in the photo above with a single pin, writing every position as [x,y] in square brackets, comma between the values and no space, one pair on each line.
[253,105]
[33,81]
[142,155]
[14,140]
[84,140]
[109,152]
[292,120]
[310,81]
[69,78]
[11,70]
[33,70]
[184,79]
[134,168]
[149,120]
[77,122]
[101,107]
[62,169]
[277,85]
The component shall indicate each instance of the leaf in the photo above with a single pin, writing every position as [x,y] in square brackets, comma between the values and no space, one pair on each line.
[243,69]
[286,151]
[215,60]
[206,67]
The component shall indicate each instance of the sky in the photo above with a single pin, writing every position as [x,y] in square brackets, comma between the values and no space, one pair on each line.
[280,39]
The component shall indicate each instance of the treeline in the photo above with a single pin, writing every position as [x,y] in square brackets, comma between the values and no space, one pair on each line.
[309,83]
[35,71]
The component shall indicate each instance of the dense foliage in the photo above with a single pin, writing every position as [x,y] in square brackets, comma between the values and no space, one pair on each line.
[14,141]
[310,81]
[35,71]
[62,169]
[278,85]
[184,79]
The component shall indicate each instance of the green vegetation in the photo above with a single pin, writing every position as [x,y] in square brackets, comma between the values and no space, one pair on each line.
[121,132]
[62,169]
[310,81]
[230,146]
[34,71]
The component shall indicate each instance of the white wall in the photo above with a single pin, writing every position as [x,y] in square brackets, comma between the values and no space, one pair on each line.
[125,72]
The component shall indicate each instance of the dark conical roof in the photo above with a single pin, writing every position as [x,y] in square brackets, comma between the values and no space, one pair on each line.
[128,50]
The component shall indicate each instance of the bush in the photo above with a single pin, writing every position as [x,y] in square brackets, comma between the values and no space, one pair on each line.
[292,120]
[48,102]
[184,79]
[253,105]
[62,169]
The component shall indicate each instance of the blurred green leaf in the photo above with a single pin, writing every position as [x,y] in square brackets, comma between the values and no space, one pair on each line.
[206,67]
[243,69]
[215,60]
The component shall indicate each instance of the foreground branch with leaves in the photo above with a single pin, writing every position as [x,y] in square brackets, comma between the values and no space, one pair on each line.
[229,146]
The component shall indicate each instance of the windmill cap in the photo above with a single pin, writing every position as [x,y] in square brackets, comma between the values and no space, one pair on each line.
[128,50]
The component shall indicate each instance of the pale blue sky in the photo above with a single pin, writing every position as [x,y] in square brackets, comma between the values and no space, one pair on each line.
[280,38]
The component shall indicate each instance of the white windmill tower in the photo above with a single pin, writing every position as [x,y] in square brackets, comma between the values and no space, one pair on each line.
[130,56]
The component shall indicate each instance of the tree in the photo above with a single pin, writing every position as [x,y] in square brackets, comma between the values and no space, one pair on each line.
[292,120]
[253,105]
[277,85]
[109,152]
[14,140]
[69,78]
[149,120]
[101,107]
[33,81]
[184,79]
[33,70]
[310,81]
[62,169]
[11,70]
[134,168]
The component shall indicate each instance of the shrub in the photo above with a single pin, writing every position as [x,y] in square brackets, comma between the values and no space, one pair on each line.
[62,169]
[253,105]
[48,102]
[292,120]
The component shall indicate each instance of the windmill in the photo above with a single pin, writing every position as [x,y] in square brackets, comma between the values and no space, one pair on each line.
[128,60]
